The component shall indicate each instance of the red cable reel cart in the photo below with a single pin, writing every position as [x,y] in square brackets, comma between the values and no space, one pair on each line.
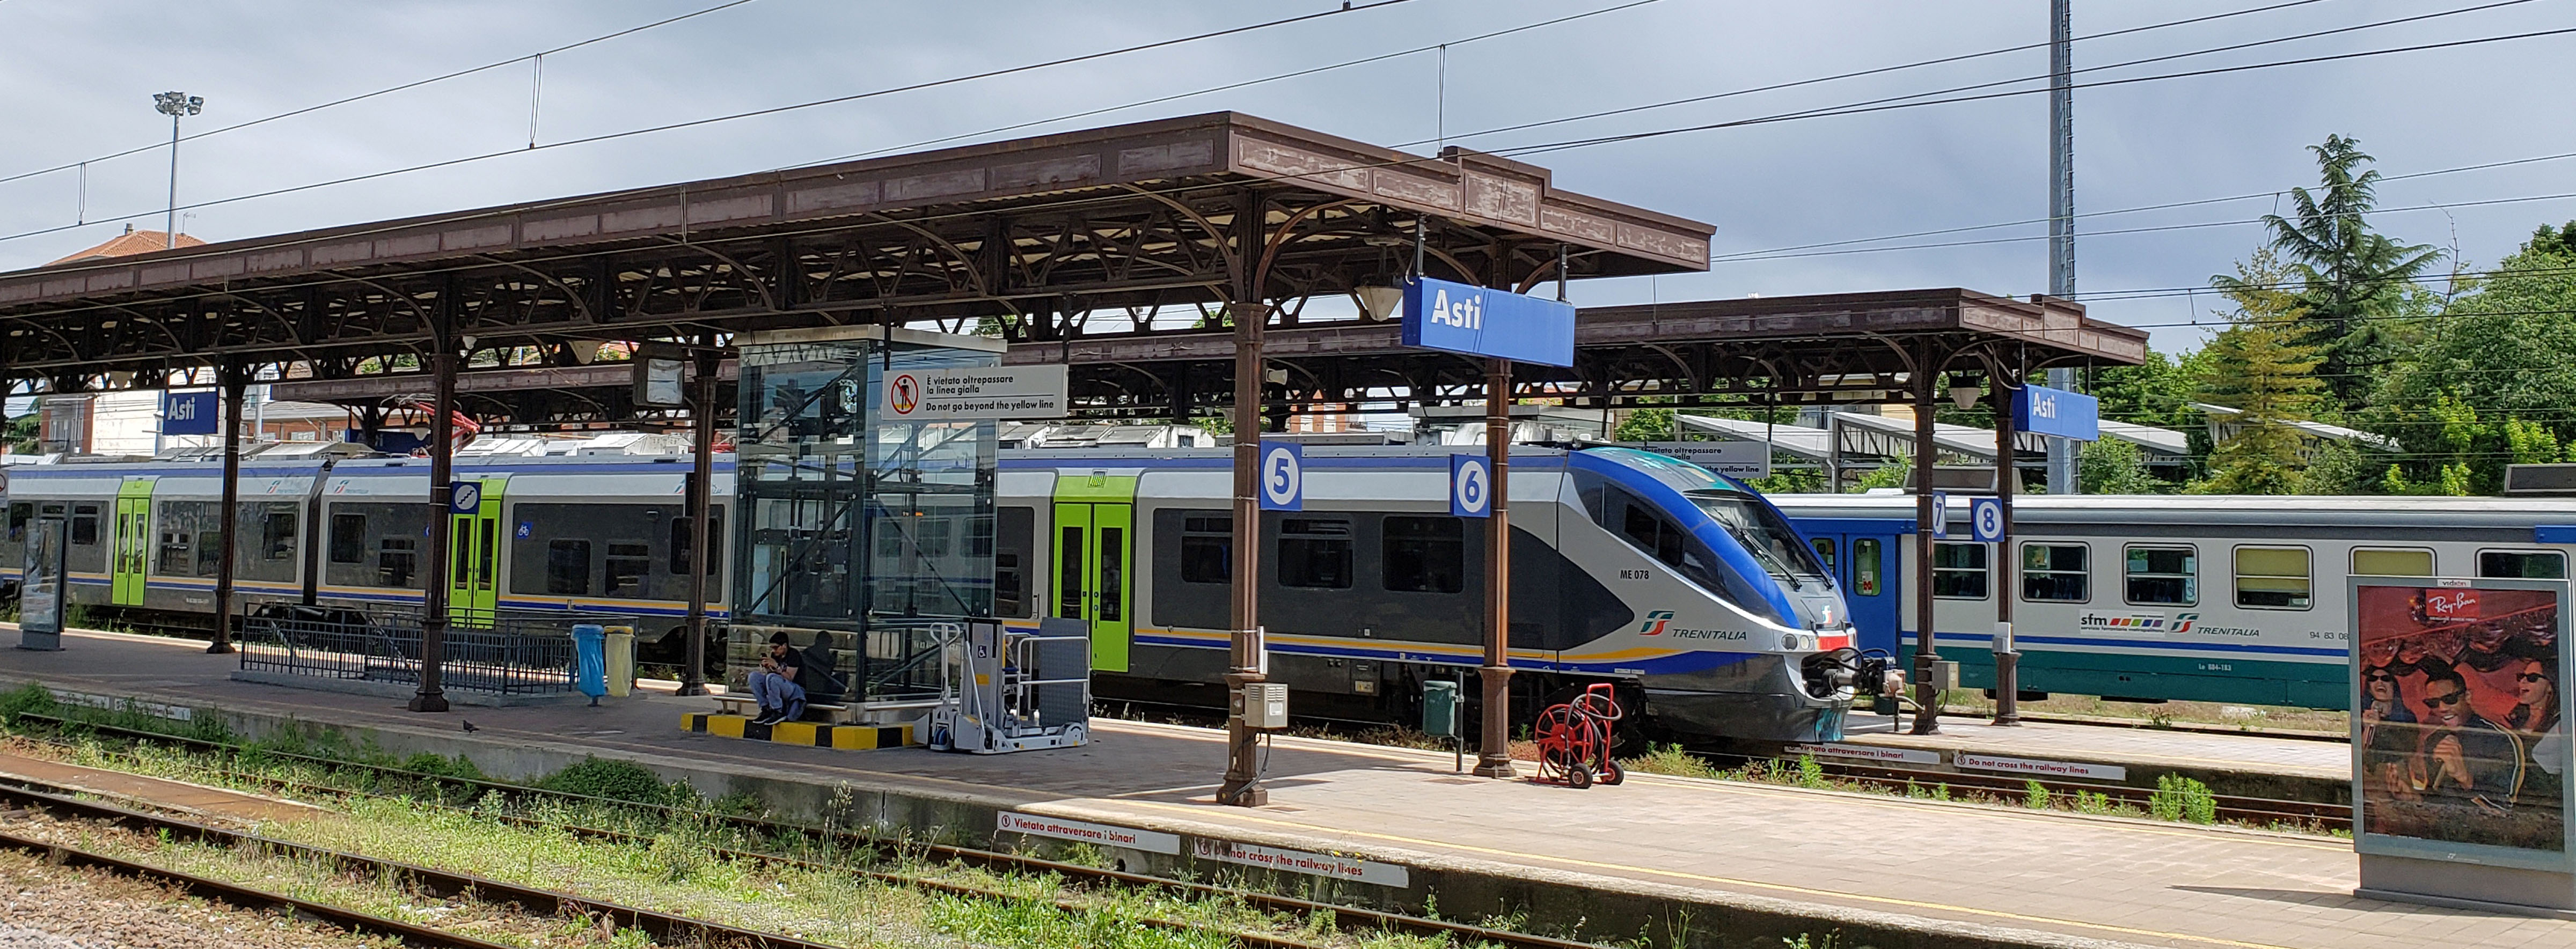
[1574,740]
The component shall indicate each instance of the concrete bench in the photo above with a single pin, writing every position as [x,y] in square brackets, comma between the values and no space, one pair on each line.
[746,707]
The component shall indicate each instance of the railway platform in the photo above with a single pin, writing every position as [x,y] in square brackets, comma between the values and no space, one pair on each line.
[1754,861]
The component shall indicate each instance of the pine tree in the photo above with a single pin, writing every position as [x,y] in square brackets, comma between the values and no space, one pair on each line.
[2351,281]
[2260,367]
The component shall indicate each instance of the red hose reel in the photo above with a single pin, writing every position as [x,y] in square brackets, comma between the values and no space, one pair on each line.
[1574,740]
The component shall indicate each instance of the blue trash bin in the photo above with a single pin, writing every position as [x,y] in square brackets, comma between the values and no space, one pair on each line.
[590,660]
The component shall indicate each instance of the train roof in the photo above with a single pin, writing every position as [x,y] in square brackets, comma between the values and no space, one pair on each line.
[2285,510]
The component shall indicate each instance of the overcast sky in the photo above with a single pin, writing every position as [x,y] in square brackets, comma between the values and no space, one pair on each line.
[76,79]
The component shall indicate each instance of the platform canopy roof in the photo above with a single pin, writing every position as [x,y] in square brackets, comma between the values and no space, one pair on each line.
[1032,238]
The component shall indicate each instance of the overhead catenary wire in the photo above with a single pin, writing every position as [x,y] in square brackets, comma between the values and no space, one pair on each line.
[388,90]
[753,113]
[1874,106]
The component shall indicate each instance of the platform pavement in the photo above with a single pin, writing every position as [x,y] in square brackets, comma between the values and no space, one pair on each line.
[1934,866]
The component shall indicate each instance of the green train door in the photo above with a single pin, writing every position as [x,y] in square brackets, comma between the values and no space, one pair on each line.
[130,550]
[1094,561]
[474,558]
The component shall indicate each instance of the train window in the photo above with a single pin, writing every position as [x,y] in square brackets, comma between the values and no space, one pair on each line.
[1068,581]
[682,535]
[1959,571]
[1865,566]
[2523,564]
[2056,573]
[348,538]
[396,562]
[19,514]
[85,524]
[2381,562]
[2273,578]
[1014,528]
[568,566]
[1207,550]
[628,562]
[1424,554]
[1315,553]
[277,533]
[189,532]
[1824,551]
[1652,534]
[2163,576]
[1113,574]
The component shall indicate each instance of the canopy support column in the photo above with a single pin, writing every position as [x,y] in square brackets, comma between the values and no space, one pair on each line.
[1494,742]
[442,520]
[1242,785]
[2007,567]
[693,674]
[234,380]
[1927,657]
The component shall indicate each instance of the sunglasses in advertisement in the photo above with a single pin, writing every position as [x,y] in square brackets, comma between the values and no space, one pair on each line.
[2532,677]
[2454,698]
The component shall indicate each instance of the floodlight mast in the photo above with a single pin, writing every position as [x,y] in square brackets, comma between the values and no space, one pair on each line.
[176,105]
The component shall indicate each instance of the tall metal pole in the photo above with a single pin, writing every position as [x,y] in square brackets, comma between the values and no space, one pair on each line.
[233,381]
[701,503]
[1244,667]
[1494,749]
[2061,208]
[2008,567]
[442,521]
[176,105]
[1927,656]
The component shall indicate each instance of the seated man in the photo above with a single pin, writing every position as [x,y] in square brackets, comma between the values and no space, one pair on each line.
[773,685]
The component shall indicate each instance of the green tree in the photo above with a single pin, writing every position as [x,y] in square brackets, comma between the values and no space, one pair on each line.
[2111,466]
[2492,379]
[2352,281]
[2259,366]
[2156,392]
[1645,425]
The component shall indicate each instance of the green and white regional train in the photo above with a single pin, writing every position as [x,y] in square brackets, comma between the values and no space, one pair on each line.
[2170,597]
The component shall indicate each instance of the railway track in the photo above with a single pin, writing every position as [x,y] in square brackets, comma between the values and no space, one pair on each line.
[1342,917]
[2261,812]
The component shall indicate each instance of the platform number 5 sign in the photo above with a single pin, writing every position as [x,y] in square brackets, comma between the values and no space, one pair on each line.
[1283,477]
[1471,486]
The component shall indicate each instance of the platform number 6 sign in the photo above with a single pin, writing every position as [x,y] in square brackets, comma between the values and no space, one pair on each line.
[1471,486]
[1283,477]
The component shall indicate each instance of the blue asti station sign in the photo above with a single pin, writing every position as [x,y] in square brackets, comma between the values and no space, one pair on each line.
[190,413]
[1477,321]
[2041,410]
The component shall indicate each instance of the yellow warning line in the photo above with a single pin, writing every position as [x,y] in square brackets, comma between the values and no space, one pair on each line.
[1727,881]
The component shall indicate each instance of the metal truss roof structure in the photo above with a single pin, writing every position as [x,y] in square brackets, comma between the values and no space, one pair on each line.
[1033,238]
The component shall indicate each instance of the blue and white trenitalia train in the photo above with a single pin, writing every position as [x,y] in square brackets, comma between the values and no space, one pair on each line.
[1690,592]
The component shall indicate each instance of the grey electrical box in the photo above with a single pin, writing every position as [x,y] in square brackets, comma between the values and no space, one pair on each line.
[1264,705]
[1440,708]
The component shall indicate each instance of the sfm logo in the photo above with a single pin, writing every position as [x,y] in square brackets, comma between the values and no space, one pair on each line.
[1655,623]
[1467,313]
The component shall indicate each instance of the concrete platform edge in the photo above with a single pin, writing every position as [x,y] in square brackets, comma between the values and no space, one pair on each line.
[1465,887]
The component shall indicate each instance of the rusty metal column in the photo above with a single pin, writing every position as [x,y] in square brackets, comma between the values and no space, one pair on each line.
[233,380]
[2007,565]
[1927,705]
[442,522]
[701,504]
[1494,747]
[1244,666]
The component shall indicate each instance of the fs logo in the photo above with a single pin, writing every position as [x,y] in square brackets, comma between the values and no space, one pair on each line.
[1655,623]
[2185,621]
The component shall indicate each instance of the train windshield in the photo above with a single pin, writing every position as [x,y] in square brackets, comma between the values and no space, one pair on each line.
[1763,532]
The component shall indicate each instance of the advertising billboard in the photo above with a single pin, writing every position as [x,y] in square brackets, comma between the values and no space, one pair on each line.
[2460,738]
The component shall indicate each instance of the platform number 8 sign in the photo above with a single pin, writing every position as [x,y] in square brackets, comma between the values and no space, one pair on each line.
[1471,486]
[1283,477]
[1986,517]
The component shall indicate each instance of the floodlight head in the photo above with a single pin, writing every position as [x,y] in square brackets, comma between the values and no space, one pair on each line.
[175,103]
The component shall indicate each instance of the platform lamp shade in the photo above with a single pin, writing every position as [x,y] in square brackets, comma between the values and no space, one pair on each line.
[1379,303]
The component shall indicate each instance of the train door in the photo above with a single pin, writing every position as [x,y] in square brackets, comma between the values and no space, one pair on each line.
[1864,556]
[474,557]
[1094,561]
[131,543]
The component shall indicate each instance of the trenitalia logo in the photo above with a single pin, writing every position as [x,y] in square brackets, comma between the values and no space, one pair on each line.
[1655,623]
[1660,622]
